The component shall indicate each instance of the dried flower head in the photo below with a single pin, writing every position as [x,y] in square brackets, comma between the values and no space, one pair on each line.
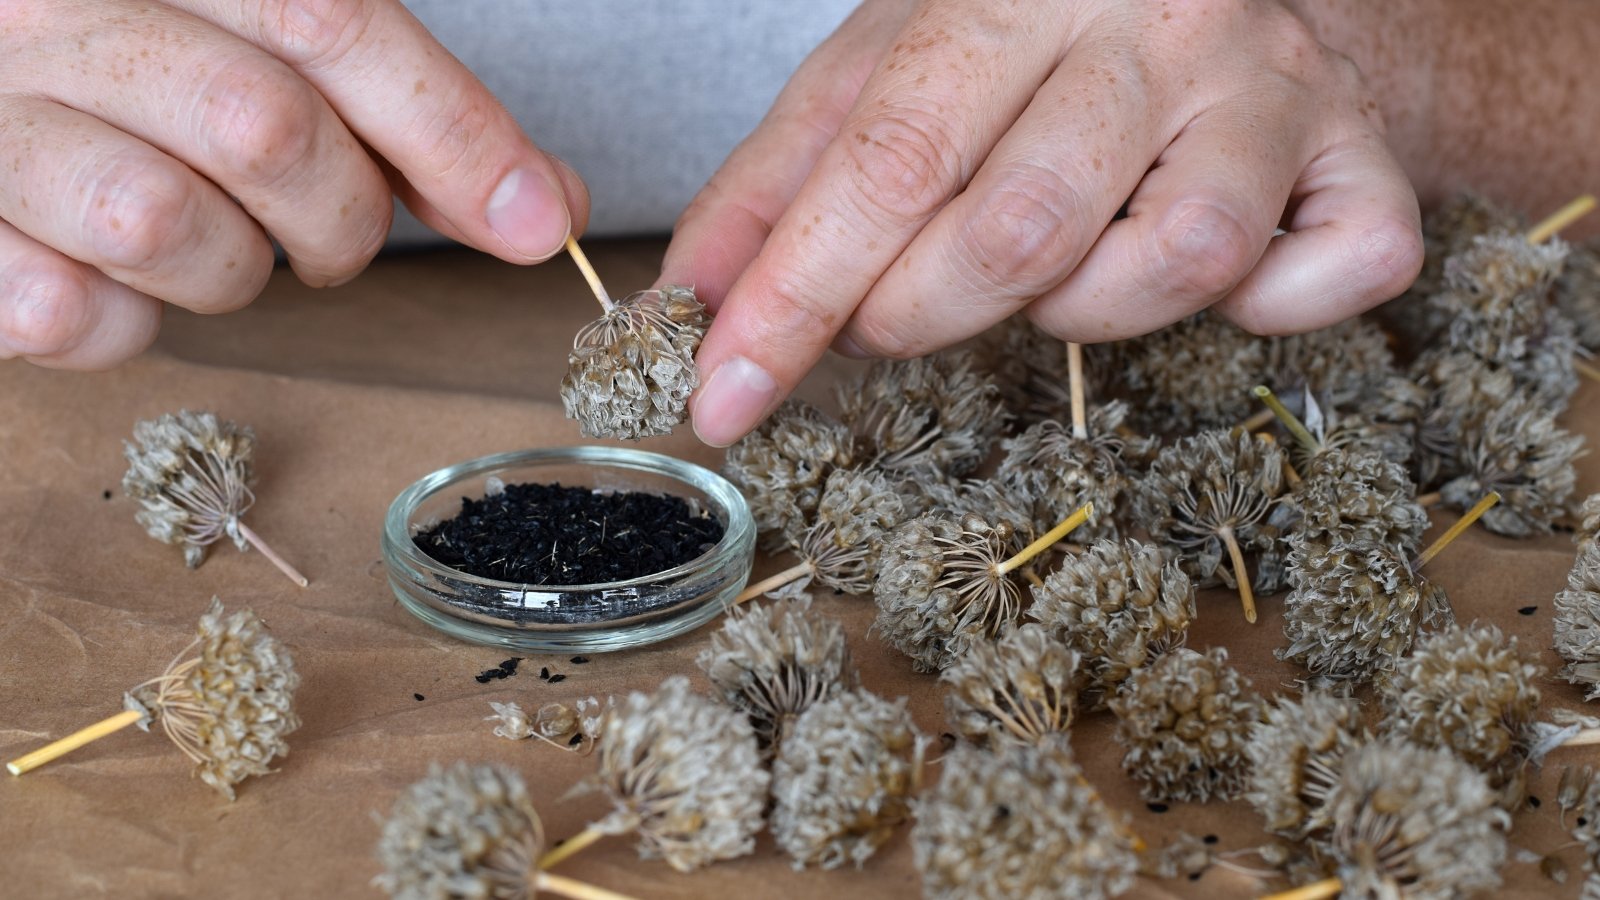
[191,473]
[1349,496]
[229,708]
[683,771]
[858,509]
[990,500]
[1445,233]
[783,465]
[1469,689]
[1586,831]
[1019,823]
[1022,687]
[1059,473]
[1119,605]
[1355,608]
[1296,752]
[1577,293]
[844,779]
[1577,622]
[1185,722]
[1414,823]
[631,371]
[936,416]
[1523,454]
[940,588]
[1589,522]
[774,661]
[1463,390]
[1195,374]
[465,831]
[1341,363]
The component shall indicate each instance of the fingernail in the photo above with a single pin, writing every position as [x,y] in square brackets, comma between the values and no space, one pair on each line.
[732,401]
[845,346]
[529,216]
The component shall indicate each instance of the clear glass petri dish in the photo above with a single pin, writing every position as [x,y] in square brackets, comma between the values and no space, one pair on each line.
[561,618]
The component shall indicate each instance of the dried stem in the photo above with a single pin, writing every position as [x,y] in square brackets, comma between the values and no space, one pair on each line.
[570,847]
[1317,890]
[1047,541]
[71,742]
[1429,500]
[1562,217]
[793,573]
[1080,419]
[1473,514]
[1586,370]
[1257,421]
[1247,596]
[1583,738]
[589,275]
[1289,420]
[272,555]
[577,890]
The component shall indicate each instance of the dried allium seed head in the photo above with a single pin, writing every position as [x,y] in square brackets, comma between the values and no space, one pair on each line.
[1468,689]
[1463,390]
[1059,473]
[1030,367]
[229,708]
[783,465]
[991,501]
[1351,496]
[1355,608]
[844,779]
[1119,605]
[1577,293]
[774,661]
[939,587]
[937,416]
[1021,688]
[1185,722]
[1415,823]
[1019,822]
[1577,621]
[631,371]
[858,509]
[1194,374]
[1497,292]
[465,831]
[1523,454]
[191,473]
[1384,421]
[1445,233]
[1296,751]
[1589,524]
[683,771]
[1341,363]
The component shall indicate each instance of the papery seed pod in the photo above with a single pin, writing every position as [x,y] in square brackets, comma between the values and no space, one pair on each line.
[465,831]
[191,473]
[1184,722]
[940,588]
[1352,496]
[1185,856]
[845,779]
[1030,368]
[858,509]
[1577,622]
[1589,522]
[556,724]
[1469,689]
[934,416]
[1119,605]
[772,662]
[1194,374]
[1341,363]
[1577,294]
[783,465]
[229,708]
[1019,823]
[1573,789]
[1524,455]
[990,500]
[1020,688]
[1296,752]
[684,773]
[630,372]
[1059,473]
[1414,823]
[1355,609]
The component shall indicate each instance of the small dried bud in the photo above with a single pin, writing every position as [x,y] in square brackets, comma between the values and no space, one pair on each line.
[684,772]
[1185,856]
[556,724]
[1296,752]
[1463,390]
[1521,452]
[772,662]
[1197,373]
[1060,473]
[858,509]
[1185,721]
[936,416]
[1350,497]
[784,464]
[1119,605]
[1577,622]
[844,779]
[229,708]
[1022,687]
[1019,822]
[191,473]
[630,372]
[465,831]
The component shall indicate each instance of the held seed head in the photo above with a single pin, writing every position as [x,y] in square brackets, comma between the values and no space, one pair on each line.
[1031,369]
[844,779]
[1340,363]
[630,372]
[783,465]
[1577,622]
[1021,688]
[465,831]
[934,416]
[1296,753]
[1059,473]
[191,473]
[1196,373]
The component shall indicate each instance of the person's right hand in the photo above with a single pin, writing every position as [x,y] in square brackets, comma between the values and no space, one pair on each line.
[148,148]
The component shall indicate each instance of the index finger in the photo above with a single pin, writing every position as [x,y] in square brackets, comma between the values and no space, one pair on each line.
[423,111]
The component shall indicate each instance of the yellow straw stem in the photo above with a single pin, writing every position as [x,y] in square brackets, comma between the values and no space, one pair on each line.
[1583,738]
[792,573]
[577,890]
[1289,420]
[1473,514]
[569,847]
[1050,538]
[1256,422]
[1247,596]
[71,742]
[1586,370]
[1080,418]
[1429,500]
[1562,217]
[1316,890]
[589,275]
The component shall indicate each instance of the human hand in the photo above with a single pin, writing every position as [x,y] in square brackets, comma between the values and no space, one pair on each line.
[936,166]
[150,148]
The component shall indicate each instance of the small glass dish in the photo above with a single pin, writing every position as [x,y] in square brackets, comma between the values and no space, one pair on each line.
[567,618]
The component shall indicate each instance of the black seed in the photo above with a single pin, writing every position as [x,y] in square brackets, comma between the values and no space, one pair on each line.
[946,741]
[1582,821]
[484,678]
[576,740]
[1194,876]
[510,665]
[1528,610]
[1002,811]
[579,660]
[544,672]
[557,679]
[1210,839]
[106,494]
[1156,807]
[1534,802]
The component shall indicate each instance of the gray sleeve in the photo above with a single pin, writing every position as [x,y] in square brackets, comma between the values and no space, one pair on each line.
[643,97]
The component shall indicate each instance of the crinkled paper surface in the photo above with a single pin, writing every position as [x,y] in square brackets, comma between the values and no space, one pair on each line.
[354,393]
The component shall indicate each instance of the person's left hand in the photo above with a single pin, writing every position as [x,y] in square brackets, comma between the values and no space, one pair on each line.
[937,166]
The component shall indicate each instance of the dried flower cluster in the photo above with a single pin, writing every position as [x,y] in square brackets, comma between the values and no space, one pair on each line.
[1185,721]
[1354,496]
[1577,621]
[465,831]
[772,662]
[191,473]
[783,466]
[631,371]
[1059,472]
[844,779]
[1019,823]
[1022,687]
[684,773]
[1584,798]
[1521,452]
[1296,752]
[1197,372]
[1577,294]
[935,416]
[1589,522]
[1032,371]
[1340,363]
[858,509]
[229,708]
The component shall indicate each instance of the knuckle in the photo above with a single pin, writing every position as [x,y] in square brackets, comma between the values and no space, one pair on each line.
[886,336]
[1203,248]
[445,139]
[787,312]
[310,31]
[261,123]
[46,303]
[1387,257]
[136,209]
[1025,228]
[905,163]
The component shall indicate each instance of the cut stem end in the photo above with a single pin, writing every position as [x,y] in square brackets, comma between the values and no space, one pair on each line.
[27,763]
[1317,890]
[793,573]
[570,847]
[1561,218]
[1080,417]
[1289,420]
[272,555]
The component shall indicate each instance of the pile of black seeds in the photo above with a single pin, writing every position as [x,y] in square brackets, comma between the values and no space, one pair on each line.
[549,534]
[499,673]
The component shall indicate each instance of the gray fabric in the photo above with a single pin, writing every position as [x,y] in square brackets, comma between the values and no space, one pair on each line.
[643,98]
